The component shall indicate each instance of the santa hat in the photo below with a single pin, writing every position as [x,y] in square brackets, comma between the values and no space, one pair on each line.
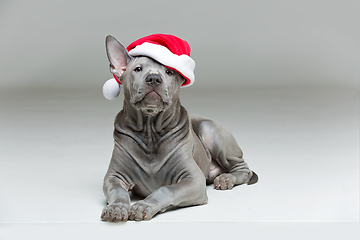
[169,50]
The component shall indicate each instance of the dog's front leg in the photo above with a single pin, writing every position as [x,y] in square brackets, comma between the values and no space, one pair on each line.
[189,191]
[118,201]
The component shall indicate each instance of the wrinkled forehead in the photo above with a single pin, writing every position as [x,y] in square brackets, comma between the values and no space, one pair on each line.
[146,62]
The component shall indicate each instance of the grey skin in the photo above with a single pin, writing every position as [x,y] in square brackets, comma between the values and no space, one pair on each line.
[161,153]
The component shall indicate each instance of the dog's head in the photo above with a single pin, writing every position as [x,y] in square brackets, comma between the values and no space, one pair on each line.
[148,85]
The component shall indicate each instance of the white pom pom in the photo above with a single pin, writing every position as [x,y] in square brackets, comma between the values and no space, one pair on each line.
[111,89]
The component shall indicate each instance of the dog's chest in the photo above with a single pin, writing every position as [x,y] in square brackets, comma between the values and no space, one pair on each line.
[151,172]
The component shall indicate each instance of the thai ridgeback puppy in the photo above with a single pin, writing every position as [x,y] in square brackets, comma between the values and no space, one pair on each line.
[161,153]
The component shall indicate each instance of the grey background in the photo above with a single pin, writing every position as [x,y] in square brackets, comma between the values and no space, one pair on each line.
[246,43]
[283,76]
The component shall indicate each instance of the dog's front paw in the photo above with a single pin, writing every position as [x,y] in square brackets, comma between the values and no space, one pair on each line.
[117,212]
[142,211]
[224,181]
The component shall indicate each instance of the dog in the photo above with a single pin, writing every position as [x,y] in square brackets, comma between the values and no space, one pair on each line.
[161,153]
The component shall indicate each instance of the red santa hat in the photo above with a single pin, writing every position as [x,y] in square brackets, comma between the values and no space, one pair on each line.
[169,50]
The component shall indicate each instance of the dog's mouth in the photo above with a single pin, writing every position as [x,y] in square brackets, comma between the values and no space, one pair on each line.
[151,103]
[152,97]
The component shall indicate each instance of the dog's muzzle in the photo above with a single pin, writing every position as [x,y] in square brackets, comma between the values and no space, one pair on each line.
[153,80]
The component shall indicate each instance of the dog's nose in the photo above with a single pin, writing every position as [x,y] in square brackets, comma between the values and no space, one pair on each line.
[153,80]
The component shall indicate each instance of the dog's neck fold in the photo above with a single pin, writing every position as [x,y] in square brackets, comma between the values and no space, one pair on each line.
[140,122]
[152,131]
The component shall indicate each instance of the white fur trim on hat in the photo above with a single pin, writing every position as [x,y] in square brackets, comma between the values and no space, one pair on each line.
[184,64]
[111,89]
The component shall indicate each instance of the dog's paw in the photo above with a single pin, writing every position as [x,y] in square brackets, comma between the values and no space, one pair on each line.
[142,211]
[224,181]
[118,212]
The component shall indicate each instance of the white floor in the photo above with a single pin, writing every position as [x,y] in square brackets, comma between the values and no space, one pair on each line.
[55,146]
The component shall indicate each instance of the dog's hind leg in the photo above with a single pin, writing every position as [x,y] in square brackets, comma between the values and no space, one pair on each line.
[228,167]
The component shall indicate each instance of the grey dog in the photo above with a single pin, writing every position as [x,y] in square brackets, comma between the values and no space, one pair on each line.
[161,153]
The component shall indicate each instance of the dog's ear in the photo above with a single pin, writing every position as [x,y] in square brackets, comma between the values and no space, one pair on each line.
[118,56]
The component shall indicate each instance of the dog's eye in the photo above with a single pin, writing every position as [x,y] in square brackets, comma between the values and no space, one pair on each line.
[138,69]
[169,72]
